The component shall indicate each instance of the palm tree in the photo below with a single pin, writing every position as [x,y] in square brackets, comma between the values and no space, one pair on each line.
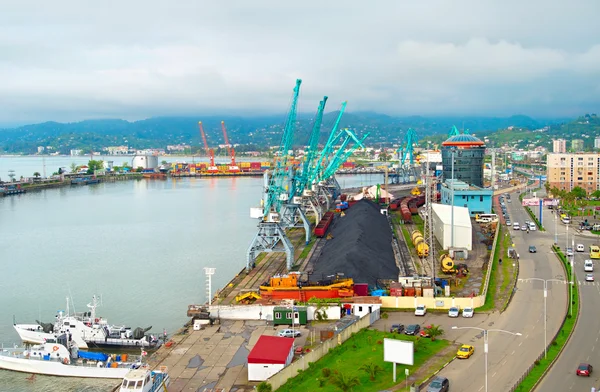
[434,331]
[36,174]
[345,382]
[73,167]
[371,369]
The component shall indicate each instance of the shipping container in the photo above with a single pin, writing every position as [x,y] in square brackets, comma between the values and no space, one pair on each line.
[321,228]
[361,289]
[255,165]
[244,164]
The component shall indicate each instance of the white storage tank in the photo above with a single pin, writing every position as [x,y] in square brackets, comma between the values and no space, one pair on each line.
[145,162]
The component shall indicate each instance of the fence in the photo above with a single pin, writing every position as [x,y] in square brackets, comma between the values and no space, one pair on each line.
[541,356]
[316,353]
[488,272]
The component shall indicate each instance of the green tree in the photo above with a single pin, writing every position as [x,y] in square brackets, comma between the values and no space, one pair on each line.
[345,382]
[596,194]
[434,331]
[264,387]
[74,167]
[36,175]
[578,192]
[371,369]
[94,165]
[547,187]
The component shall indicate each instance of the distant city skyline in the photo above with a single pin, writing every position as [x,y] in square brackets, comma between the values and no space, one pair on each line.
[68,61]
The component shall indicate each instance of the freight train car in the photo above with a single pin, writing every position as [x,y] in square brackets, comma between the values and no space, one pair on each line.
[321,228]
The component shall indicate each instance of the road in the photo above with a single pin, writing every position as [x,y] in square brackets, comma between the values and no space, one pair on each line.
[584,345]
[509,356]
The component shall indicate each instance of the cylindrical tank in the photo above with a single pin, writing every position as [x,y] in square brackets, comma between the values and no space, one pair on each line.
[447,263]
[422,249]
[414,235]
[145,161]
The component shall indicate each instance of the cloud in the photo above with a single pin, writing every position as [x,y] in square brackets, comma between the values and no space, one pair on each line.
[70,60]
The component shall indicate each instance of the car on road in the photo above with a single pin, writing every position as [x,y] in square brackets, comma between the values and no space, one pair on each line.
[584,369]
[588,266]
[532,226]
[516,226]
[580,248]
[439,384]
[508,221]
[589,277]
[397,328]
[412,329]
[465,351]
[569,251]
[508,200]
[289,333]
[468,312]
[421,310]
[453,312]
[532,249]
[524,227]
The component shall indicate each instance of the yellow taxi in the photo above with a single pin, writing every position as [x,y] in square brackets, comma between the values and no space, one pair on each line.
[465,351]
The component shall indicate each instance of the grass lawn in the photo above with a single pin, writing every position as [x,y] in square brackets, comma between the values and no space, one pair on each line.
[536,373]
[307,249]
[366,346]
[490,296]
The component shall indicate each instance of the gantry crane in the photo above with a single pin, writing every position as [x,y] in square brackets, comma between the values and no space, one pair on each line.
[277,211]
[453,132]
[233,167]
[210,153]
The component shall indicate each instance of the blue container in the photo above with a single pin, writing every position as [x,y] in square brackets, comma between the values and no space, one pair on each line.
[47,357]
[118,358]
[349,311]
[444,282]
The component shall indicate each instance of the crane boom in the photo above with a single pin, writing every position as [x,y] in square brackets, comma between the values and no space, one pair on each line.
[227,145]
[233,167]
[210,153]
[203,136]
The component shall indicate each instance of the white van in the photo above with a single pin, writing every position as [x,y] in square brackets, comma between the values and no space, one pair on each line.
[588,266]
[516,226]
[580,248]
[532,226]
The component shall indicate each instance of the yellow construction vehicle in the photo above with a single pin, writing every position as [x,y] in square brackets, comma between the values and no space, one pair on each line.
[248,297]
[415,191]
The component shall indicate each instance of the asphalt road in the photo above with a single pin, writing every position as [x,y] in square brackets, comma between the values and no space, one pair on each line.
[584,345]
[509,356]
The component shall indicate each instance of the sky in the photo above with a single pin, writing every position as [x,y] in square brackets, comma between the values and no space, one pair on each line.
[69,60]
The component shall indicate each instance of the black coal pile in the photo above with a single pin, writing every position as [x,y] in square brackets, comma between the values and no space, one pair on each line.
[361,247]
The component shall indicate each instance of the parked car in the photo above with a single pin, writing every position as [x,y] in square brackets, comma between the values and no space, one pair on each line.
[465,351]
[588,266]
[468,312]
[421,310]
[424,333]
[289,333]
[412,329]
[453,312]
[580,248]
[439,384]
[532,249]
[397,328]
[508,221]
[584,369]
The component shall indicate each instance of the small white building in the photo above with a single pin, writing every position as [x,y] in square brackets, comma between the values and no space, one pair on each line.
[442,226]
[269,355]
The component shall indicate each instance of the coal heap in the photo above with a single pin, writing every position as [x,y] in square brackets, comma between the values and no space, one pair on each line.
[361,247]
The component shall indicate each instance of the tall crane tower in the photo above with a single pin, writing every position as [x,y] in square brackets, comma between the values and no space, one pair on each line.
[430,182]
[210,153]
[233,167]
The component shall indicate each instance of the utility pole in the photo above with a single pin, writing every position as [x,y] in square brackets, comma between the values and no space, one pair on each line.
[427,224]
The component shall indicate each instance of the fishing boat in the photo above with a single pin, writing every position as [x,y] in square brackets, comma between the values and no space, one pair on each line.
[145,380]
[53,358]
[87,330]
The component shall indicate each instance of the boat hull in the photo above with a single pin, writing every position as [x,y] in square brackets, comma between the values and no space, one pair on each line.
[53,368]
[29,335]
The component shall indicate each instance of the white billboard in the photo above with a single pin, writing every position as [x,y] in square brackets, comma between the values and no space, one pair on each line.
[398,351]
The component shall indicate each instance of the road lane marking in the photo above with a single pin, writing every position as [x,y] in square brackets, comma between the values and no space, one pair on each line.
[480,388]
[494,374]
[593,347]
[513,352]
[522,342]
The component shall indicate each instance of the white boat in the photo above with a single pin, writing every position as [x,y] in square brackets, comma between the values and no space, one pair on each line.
[87,330]
[54,359]
[145,380]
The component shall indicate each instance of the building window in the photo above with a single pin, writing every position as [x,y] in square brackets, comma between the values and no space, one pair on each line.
[360,308]
[480,198]
[464,197]
[277,315]
[288,315]
[579,178]
[472,197]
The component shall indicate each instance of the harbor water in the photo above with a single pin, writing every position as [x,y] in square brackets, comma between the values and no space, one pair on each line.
[141,245]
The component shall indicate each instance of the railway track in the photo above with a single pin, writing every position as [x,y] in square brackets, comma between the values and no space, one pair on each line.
[423,265]
[404,260]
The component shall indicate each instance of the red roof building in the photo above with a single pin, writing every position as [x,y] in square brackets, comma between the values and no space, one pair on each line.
[269,356]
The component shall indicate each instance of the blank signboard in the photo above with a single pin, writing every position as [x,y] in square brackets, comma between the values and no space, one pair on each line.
[398,351]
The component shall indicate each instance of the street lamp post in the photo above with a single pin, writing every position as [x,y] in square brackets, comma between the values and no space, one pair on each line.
[485,345]
[545,308]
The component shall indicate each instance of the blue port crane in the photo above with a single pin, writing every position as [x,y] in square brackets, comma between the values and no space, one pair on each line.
[302,180]
[343,153]
[406,149]
[453,132]
[323,160]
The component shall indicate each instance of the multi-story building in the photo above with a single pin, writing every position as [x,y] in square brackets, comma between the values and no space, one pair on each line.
[597,142]
[577,145]
[468,153]
[567,171]
[559,146]
[477,200]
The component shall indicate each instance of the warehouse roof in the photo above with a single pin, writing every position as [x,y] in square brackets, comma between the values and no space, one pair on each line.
[271,349]
[444,212]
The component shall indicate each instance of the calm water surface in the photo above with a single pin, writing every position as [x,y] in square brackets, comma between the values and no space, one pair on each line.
[142,245]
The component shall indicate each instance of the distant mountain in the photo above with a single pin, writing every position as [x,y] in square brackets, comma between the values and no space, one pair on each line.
[250,132]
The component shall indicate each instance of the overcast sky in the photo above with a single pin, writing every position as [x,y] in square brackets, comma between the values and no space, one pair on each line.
[69,60]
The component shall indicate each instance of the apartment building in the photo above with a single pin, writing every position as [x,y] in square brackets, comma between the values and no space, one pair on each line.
[597,142]
[567,171]
[559,146]
[577,145]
